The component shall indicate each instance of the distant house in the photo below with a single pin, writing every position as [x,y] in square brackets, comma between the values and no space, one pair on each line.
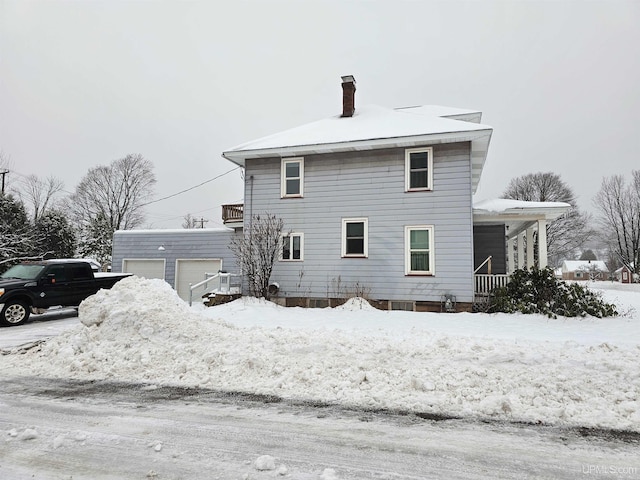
[624,274]
[584,270]
[379,201]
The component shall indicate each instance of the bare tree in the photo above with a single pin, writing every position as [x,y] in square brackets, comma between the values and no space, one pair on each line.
[189,221]
[111,198]
[568,233]
[256,251]
[619,207]
[116,191]
[40,195]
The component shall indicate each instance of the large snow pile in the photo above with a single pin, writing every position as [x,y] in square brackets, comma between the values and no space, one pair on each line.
[140,331]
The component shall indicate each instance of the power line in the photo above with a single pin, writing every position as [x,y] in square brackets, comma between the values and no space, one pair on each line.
[190,188]
[24,177]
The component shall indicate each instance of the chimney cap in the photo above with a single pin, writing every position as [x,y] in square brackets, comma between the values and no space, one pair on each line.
[348,79]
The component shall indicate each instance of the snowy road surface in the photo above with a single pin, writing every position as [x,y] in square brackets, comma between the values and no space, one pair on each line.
[60,429]
[134,388]
[39,327]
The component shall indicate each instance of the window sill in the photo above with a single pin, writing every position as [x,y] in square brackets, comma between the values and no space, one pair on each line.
[292,196]
[355,256]
[410,190]
[419,274]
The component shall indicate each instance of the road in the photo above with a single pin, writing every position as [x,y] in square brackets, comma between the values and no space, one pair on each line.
[61,429]
[65,429]
[39,327]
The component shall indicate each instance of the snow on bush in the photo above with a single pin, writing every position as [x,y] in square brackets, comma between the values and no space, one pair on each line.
[140,331]
[539,291]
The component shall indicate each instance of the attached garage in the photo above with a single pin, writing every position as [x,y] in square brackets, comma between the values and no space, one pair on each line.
[179,257]
[147,268]
[192,271]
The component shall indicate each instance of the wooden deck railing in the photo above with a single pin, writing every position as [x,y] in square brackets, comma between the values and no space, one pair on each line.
[232,213]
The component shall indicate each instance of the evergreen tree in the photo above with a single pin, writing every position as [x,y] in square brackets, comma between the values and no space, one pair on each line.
[55,236]
[16,235]
[588,255]
[97,241]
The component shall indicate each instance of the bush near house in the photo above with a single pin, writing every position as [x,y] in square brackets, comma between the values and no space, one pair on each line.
[539,291]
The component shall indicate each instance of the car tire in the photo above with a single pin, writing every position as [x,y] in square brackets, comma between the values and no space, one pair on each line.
[14,313]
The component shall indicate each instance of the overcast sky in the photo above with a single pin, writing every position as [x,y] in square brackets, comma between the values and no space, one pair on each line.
[83,83]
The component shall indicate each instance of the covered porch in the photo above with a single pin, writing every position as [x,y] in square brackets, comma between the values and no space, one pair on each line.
[510,235]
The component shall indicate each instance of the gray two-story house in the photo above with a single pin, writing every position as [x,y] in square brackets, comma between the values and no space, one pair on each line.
[379,202]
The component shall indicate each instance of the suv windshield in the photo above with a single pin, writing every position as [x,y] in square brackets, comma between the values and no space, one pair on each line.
[23,272]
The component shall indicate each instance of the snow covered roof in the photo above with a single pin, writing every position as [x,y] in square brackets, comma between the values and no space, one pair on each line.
[443,111]
[373,127]
[162,231]
[551,210]
[518,215]
[584,265]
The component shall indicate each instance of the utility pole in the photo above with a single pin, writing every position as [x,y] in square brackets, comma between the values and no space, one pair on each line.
[202,221]
[3,172]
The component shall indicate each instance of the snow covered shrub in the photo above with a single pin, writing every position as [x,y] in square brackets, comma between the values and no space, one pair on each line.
[539,291]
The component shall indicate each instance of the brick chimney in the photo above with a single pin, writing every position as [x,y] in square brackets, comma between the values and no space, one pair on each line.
[348,95]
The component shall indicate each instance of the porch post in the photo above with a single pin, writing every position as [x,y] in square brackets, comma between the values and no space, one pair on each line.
[542,243]
[510,259]
[521,264]
[530,248]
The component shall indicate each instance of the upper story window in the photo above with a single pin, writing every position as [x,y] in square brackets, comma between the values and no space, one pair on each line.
[355,237]
[292,177]
[292,247]
[418,169]
[419,250]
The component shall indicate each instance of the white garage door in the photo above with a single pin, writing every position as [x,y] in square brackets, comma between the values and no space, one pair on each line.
[192,272]
[144,268]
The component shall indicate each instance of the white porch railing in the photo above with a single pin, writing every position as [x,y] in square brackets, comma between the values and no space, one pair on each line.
[222,284]
[484,283]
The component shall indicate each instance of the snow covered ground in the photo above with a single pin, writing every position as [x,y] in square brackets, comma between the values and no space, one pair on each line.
[567,372]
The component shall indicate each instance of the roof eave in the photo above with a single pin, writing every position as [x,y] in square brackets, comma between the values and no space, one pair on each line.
[479,147]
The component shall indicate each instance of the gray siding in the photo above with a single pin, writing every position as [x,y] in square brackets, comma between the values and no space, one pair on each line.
[371,184]
[178,244]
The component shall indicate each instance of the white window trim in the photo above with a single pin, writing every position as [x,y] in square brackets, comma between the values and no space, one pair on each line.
[407,250]
[282,239]
[364,220]
[283,177]
[407,169]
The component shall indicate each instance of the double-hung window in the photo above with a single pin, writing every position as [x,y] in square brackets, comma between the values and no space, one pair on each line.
[419,251]
[418,169]
[292,177]
[355,233]
[292,247]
